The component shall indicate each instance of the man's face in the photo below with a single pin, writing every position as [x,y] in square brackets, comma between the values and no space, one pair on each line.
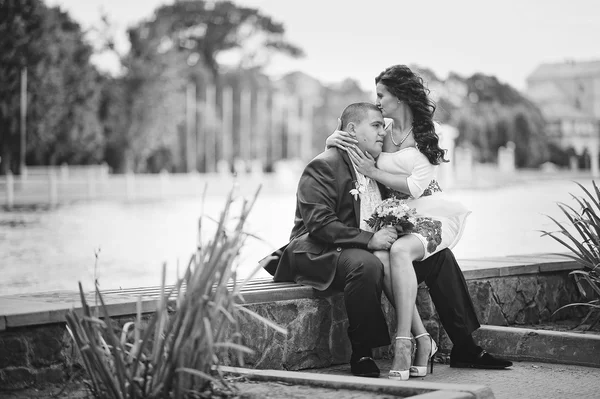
[370,133]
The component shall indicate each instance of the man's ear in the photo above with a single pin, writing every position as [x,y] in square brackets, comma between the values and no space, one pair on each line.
[351,127]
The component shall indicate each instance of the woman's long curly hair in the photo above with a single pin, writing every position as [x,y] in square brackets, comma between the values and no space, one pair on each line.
[409,87]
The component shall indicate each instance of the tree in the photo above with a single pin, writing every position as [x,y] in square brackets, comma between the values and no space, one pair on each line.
[62,92]
[65,93]
[20,30]
[493,113]
[180,46]
[208,29]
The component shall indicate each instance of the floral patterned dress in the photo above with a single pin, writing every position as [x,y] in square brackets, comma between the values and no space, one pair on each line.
[440,220]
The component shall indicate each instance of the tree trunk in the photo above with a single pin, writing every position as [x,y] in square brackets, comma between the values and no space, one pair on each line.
[5,161]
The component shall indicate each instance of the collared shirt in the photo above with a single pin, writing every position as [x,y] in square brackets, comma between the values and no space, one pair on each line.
[369,199]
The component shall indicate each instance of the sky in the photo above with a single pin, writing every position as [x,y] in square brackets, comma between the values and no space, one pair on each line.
[344,38]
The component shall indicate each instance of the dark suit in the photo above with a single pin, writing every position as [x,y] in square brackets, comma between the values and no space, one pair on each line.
[326,221]
[327,248]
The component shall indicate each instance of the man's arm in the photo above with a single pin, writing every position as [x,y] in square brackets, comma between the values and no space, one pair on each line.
[318,200]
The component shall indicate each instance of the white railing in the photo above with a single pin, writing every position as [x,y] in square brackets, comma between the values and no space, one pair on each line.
[53,186]
[65,172]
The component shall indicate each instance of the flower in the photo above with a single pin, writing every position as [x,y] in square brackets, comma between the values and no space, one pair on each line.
[357,190]
[393,212]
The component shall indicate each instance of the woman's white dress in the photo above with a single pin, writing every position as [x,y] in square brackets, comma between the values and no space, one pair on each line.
[440,220]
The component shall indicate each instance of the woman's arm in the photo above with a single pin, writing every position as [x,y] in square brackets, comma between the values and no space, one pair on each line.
[413,184]
[340,138]
[365,164]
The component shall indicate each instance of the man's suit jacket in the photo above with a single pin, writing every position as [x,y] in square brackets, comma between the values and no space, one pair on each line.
[327,220]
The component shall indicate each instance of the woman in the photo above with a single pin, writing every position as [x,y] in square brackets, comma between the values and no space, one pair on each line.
[407,167]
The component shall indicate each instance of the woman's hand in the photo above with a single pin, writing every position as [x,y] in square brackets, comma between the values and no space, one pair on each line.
[364,162]
[340,138]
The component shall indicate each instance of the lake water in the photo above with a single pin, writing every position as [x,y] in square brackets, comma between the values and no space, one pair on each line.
[43,250]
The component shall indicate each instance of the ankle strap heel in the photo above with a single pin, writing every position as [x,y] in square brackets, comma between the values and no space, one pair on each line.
[421,371]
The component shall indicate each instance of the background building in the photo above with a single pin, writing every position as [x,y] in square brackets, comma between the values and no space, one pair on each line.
[568,95]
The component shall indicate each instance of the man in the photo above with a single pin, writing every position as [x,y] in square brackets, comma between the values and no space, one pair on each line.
[328,249]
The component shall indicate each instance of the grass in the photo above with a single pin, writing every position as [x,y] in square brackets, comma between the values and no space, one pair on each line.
[193,330]
[581,236]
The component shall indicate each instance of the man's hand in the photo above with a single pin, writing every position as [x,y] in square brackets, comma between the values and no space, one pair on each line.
[383,239]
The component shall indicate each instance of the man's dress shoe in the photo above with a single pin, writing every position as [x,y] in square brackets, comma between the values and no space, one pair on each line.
[479,359]
[364,367]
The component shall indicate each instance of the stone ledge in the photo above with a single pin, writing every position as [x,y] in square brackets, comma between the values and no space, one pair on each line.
[51,307]
[316,321]
[412,389]
[55,313]
[516,265]
[541,345]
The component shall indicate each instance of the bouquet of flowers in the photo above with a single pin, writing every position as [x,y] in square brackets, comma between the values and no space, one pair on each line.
[393,212]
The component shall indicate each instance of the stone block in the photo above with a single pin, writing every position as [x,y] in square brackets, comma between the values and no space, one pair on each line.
[271,358]
[54,375]
[541,345]
[338,308]
[339,343]
[262,339]
[308,340]
[17,377]
[47,345]
[485,302]
[283,314]
[424,303]
[528,286]
[499,340]
[495,315]
[443,341]
[13,351]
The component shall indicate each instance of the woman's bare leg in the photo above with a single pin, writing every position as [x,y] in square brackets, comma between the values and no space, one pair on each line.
[417,327]
[384,257]
[404,291]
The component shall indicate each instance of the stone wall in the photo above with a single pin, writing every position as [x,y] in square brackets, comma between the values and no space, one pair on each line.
[35,355]
[316,328]
[523,299]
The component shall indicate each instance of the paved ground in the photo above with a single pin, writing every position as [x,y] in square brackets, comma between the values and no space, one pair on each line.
[524,380]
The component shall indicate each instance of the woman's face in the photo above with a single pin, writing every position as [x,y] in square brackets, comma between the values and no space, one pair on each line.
[386,101]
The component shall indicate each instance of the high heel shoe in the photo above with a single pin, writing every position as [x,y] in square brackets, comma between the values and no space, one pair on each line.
[401,375]
[421,371]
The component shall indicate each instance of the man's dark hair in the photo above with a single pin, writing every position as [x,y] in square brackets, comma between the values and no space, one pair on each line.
[356,113]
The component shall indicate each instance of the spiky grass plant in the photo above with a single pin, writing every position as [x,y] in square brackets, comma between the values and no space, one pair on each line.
[176,353]
[584,244]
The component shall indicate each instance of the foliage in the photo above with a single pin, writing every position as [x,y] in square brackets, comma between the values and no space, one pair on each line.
[584,244]
[207,29]
[560,156]
[179,46]
[62,87]
[489,114]
[176,354]
[20,30]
